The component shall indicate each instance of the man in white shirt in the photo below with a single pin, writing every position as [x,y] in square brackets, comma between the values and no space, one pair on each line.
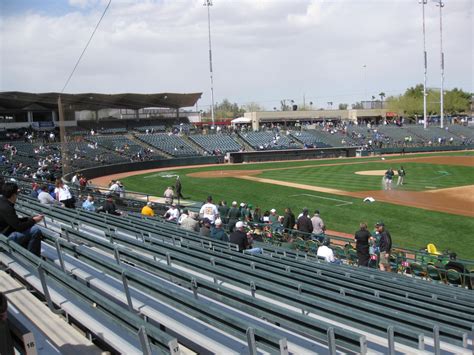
[209,211]
[325,252]
[172,214]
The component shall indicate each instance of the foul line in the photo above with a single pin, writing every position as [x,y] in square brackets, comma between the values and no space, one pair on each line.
[344,203]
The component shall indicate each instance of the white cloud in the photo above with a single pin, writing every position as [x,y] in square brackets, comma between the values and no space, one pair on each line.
[263,50]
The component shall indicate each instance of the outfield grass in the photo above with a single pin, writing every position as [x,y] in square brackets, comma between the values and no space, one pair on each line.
[410,227]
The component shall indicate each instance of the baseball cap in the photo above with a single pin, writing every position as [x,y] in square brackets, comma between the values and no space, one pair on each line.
[234,203]
[273,210]
[218,222]
[242,204]
[379,224]
[239,224]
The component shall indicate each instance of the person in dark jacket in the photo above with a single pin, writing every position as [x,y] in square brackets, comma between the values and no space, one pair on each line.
[205,230]
[109,206]
[233,216]
[289,220]
[24,230]
[385,246]
[362,237]
[239,237]
[217,232]
[304,224]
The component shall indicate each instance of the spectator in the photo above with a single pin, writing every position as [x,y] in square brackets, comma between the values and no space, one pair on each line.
[385,245]
[45,198]
[183,216]
[304,224]
[217,232]
[289,220]
[273,218]
[239,237]
[19,230]
[109,206]
[88,204]
[205,230]
[233,216]
[168,195]
[63,194]
[209,211]
[172,214]
[223,210]
[6,343]
[327,253]
[362,237]
[147,210]
[189,223]
[318,226]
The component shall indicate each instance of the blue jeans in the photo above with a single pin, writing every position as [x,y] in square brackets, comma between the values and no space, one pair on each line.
[29,239]
[254,251]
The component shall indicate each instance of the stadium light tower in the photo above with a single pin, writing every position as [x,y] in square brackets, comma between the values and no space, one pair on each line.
[208,3]
[440,4]
[425,122]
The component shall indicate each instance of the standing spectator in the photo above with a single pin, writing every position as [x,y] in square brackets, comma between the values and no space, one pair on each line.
[273,218]
[304,224]
[114,187]
[83,183]
[63,194]
[24,230]
[318,226]
[233,216]
[289,220]
[217,232]
[205,230]
[209,210]
[385,246]
[88,204]
[168,195]
[362,237]
[147,210]
[401,176]
[239,237]
[223,211]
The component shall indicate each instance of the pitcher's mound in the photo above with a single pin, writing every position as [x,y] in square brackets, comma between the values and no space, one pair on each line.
[373,172]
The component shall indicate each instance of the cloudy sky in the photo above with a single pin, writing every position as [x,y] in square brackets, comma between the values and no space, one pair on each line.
[263,50]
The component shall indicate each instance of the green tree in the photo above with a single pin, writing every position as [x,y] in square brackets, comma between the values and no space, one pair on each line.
[253,107]
[343,106]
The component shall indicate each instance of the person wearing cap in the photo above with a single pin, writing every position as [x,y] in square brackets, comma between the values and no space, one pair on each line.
[362,237]
[218,233]
[233,216]
[147,210]
[239,237]
[385,246]
[388,178]
[303,224]
[168,195]
[273,218]
[318,226]
[109,206]
[324,251]
[21,230]
[190,223]
[205,230]
[209,211]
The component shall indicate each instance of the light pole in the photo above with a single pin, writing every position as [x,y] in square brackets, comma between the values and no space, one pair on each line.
[425,122]
[364,71]
[440,4]
[208,3]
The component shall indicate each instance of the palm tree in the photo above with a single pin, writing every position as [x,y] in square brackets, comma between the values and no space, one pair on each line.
[382,96]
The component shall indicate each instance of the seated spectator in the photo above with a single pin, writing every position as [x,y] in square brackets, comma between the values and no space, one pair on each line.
[172,214]
[35,190]
[190,223]
[205,230]
[273,217]
[217,232]
[327,253]
[45,198]
[147,210]
[88,204]
[183,216]
[19,230]
[239,237]
[109,206]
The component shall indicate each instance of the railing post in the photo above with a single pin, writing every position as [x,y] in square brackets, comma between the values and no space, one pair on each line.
[283,346]
[117,255]
[213,263]
[127,291]
[391,340]
[251,341]
[145,344]
[168,259]
[253,288]
[437,349]
[44,285]
[331,341]
[60,255]
[194,287]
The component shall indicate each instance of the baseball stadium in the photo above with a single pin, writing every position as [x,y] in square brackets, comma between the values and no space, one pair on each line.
[135,223]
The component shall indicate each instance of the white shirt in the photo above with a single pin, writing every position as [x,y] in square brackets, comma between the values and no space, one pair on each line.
[173,214]
[62,193]
[115,187]
[46,199]
[209,211]
[326,253]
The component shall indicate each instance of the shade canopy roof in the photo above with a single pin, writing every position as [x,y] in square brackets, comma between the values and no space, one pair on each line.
[15,100]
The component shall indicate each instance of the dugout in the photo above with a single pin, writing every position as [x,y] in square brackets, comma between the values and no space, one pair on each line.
[292,154]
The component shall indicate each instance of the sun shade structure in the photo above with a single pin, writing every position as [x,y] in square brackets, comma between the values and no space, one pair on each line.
[95,101]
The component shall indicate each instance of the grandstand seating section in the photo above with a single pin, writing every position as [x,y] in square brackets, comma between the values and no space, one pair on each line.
[170,144]
[125,145]
[267,140]
[222,142]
